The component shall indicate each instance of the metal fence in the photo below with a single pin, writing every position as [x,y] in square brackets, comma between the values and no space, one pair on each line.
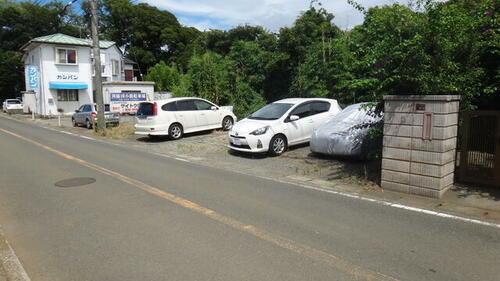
[480,148]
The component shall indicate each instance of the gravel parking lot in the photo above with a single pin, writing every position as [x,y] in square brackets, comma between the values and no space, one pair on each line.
[210,147]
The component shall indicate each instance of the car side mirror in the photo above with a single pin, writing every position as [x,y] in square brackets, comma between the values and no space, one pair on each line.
[294,117]
[213,107]
[77,111]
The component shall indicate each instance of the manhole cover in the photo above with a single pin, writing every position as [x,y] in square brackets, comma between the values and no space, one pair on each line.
[74,182]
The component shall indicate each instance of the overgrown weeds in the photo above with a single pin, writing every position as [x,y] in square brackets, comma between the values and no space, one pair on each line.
[119,132]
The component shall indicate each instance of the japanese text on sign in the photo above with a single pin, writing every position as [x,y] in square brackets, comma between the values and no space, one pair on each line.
[67,77]
[130,96]
[33,76]
[125,107]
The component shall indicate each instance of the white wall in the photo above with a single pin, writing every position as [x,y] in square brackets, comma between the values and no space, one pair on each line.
[111,54]
[32,58]
[51,70]
[112,88]
[44,57]
[127,107]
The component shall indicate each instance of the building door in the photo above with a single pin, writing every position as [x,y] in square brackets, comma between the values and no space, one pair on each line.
[129,75]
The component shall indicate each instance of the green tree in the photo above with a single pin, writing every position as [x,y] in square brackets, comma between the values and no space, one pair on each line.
[165,77]
[147,34]
[215,78]
[389,52]
[210,76]
[312,26]
[21,22]
[245,100]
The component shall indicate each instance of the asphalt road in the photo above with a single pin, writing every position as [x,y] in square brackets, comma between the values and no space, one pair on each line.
[149,217]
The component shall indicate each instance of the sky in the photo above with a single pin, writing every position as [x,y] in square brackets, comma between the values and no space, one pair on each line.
[271,14]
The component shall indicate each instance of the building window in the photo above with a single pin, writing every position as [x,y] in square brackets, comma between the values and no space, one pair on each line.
[66,56]
[67,95]
[115,66]
[103,69]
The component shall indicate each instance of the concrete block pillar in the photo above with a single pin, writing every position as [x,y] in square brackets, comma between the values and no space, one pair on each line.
[420,138]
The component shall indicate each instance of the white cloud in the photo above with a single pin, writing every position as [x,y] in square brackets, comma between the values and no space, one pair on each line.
[272,14]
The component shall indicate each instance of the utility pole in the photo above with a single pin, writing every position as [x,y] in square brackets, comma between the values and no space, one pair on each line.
[96,50]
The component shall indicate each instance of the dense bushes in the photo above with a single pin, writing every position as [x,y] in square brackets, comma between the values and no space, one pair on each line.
[448,47]
[440,48]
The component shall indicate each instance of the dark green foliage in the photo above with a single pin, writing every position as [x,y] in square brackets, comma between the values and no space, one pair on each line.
[148,35]
[431,47]
[441,48]
[21,22]
[11,74]
[166,77]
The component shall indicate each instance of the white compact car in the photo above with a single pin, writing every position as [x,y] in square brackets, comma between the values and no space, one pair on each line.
[12,106]
[177,116]
[280,124]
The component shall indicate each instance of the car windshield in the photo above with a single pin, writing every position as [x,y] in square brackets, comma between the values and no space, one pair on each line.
[271,111]
[13,102]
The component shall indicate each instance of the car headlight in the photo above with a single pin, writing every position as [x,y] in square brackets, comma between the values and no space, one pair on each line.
[260,131]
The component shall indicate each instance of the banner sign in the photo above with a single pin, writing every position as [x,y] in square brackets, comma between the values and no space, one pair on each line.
[33,80]
[125,107]
[67,76]
[129,96]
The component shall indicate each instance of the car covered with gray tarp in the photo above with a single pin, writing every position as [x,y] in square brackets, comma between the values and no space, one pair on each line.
[346,133]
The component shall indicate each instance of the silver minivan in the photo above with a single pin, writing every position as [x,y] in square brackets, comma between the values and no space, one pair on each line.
[87,115]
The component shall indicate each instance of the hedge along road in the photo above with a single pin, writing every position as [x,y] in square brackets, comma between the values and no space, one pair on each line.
[148,217]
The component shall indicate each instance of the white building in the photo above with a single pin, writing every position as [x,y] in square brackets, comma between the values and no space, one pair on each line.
[59,75]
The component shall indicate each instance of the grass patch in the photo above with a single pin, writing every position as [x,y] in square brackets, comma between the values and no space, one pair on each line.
[119,132]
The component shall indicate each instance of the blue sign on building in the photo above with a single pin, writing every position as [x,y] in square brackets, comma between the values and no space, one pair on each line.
[33,80]
[129,96]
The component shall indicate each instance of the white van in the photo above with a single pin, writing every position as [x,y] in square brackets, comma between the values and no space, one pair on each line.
[177,116]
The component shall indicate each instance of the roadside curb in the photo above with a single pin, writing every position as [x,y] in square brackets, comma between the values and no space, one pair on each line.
[9,261]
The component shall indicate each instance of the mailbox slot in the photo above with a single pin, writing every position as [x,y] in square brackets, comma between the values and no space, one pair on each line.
[427,126]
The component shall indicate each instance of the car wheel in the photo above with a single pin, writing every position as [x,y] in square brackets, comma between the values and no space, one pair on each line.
[175,131]
[88,124]
[277,145]
[227,123]
[74,122]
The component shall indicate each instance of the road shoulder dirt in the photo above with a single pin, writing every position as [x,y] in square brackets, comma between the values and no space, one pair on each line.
[11,268]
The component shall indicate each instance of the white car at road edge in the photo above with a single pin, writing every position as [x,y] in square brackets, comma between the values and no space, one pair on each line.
[12,106]
[283,123]
[176,116]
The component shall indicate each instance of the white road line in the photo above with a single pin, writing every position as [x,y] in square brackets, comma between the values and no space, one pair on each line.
[171,157]
[85,137]
[380,202]
[67,133]
[404,207]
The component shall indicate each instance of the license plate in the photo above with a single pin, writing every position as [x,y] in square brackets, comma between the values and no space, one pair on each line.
[236,141]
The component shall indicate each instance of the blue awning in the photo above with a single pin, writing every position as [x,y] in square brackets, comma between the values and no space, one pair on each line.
[69,86]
